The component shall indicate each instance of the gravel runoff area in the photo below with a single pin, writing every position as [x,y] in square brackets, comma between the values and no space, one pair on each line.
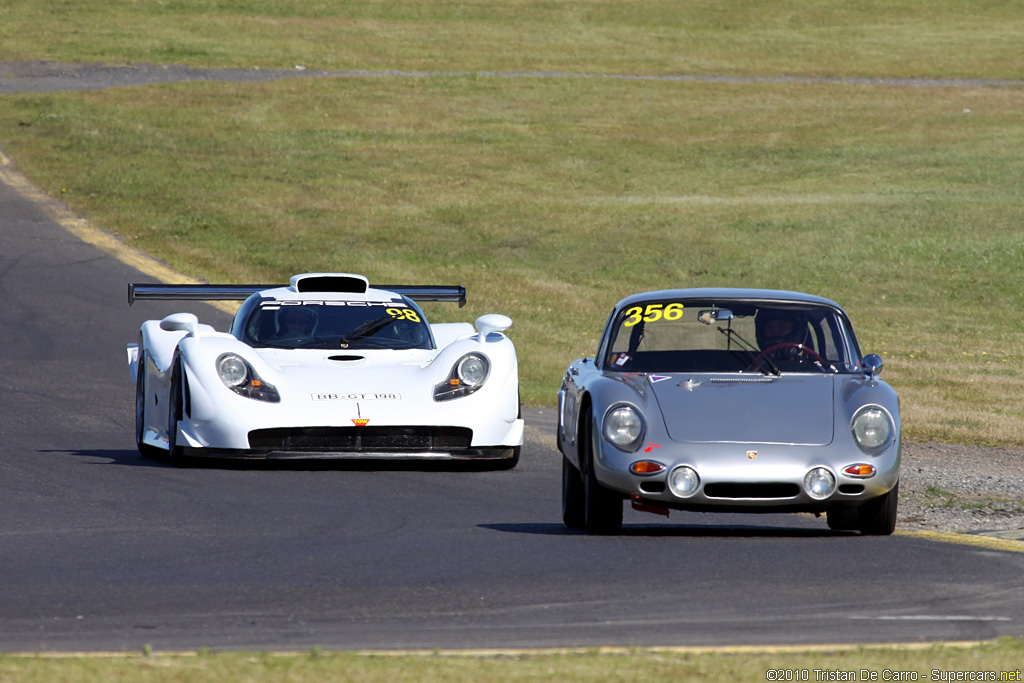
[943,487]
[953,488]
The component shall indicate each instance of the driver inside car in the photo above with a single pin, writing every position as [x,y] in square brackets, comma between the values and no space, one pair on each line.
[296,323]
[781,334]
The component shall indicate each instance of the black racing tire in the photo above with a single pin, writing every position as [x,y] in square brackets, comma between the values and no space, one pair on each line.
[573,514]
[602,507]
[842,519]
[877,517]
[140,408]
[509,463]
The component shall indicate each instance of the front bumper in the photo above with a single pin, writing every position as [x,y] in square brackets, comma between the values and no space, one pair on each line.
[363,443]
[749,477]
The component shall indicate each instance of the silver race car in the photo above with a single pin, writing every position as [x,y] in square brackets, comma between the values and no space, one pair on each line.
[734,400]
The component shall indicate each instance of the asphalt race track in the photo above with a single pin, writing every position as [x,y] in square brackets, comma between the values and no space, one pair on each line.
[101,549]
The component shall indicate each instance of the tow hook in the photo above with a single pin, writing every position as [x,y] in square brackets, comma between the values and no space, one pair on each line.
[643,506]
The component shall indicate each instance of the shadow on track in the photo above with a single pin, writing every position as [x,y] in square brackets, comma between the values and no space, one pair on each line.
[132,458]
[679,530]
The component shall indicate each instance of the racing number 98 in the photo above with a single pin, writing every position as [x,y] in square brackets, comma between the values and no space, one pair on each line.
[403,314]
[653,312]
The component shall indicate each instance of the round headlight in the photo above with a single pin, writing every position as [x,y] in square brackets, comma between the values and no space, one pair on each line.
[872,429]
[819,483]
[683,481]
[233,370]
[623,426]
[472,370]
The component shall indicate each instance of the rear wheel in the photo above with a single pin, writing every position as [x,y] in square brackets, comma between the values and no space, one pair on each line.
[602,507]
[877,517]
[573,514]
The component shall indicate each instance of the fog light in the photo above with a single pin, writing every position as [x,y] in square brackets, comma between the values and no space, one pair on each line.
[819,483]
[683,481]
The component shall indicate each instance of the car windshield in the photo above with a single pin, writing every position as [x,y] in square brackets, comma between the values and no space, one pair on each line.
[337,325]
[729,336]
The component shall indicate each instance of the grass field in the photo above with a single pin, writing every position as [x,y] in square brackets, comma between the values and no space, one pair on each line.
[551,196]
[937,662]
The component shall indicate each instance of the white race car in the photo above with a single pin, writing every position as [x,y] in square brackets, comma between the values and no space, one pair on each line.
[327,367]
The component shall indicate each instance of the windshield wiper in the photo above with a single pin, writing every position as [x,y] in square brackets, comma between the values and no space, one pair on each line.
[367,328]
[751,351]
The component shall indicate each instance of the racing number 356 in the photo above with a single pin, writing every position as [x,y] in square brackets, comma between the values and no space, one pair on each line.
[652,312]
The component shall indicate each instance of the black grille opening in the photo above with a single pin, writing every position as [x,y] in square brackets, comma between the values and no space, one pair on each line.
[851,488]
[362,439]
[727,490]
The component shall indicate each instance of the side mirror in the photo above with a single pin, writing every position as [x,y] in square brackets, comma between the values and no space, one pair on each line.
[181,322]
[872,365]
[494,322]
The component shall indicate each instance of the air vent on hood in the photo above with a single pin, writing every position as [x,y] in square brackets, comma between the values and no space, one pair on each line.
[344,284]
[345,358]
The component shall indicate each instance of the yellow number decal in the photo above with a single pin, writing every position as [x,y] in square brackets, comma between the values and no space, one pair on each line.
[674,311]
[403,313]
[652,313]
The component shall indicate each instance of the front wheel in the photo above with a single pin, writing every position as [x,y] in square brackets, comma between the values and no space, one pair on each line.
[140,408]
[573,514]
[175,410]
[602,507]
[510,462]
[877,517]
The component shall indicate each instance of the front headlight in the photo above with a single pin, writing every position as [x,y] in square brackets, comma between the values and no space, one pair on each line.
[624,426]
[872,429]
[242,379]
[468,374]
[472,370]
[234,371]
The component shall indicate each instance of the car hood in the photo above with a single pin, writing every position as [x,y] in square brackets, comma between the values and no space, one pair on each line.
[350,371]
[790,409]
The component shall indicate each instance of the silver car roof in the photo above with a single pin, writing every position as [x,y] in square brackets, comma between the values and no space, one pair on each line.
[729,293]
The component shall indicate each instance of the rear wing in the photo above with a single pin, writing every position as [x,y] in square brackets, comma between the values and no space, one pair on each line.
[136,291]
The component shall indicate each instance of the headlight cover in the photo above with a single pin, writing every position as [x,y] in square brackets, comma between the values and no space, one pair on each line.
[468,374]
[872,429]
[624,426]
[241,378]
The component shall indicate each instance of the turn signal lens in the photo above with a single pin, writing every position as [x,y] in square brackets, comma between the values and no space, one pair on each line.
[860,470]
[646,467]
